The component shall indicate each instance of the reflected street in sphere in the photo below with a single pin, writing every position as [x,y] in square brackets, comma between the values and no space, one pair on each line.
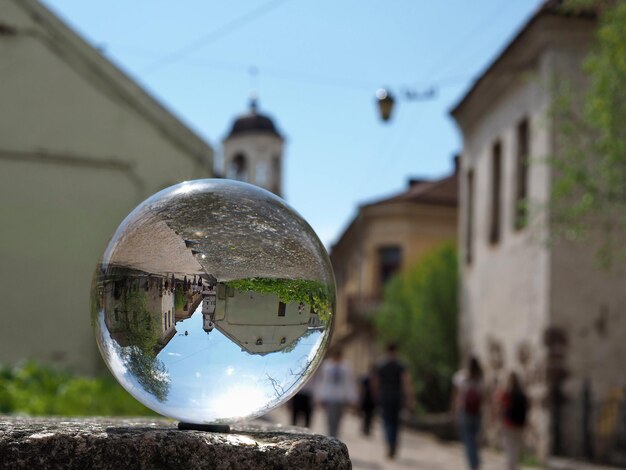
[213,302]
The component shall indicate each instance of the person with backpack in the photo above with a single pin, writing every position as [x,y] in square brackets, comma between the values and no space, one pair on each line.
[514,409]
[467,402]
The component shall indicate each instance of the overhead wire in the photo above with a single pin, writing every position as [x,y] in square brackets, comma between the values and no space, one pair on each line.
[299,76]
[444,64]
[212,36]
[306,77]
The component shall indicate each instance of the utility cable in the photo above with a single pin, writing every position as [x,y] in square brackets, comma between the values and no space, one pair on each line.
[212,36]
[450,57]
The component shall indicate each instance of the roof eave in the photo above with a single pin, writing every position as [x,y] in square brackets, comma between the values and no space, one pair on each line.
[120,83]
[548,8]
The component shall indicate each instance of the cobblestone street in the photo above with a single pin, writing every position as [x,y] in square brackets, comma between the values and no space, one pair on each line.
[418,451]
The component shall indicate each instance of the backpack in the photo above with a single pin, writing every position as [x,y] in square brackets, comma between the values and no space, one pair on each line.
[472,400]
[517,409]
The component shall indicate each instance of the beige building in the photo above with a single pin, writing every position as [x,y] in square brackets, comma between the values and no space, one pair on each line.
[81,144]
[384,237]
[543,310]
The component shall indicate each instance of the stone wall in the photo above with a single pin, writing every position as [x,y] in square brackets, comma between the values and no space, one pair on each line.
[47,443]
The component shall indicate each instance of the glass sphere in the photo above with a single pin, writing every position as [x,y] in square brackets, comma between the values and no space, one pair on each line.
[213,302]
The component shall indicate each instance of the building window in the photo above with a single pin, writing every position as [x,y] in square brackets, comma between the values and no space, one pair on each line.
[281,309]
[469,221]
[238,168]
[521,188]
[275,174]
[496,183]
[389,261]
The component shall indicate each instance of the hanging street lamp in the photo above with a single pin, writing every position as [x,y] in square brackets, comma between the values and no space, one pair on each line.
[386,101]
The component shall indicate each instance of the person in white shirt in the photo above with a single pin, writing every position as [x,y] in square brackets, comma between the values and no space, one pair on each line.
[335,390]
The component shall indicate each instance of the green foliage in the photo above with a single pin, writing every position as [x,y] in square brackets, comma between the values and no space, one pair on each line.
[313,293]
[143,334]
[180,298]
[419,312]
[38,390]
[138,322]
[590,184]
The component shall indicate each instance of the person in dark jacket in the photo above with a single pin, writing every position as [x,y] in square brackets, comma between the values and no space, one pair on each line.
[394,391]
[513,410]
[367,401]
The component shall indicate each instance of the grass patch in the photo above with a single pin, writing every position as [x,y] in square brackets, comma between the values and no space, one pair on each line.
[38,390]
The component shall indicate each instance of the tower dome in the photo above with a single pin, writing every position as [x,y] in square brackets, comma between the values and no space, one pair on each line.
[253,122]
[253,150]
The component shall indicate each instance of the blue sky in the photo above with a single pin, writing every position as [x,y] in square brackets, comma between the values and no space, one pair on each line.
[206,371]
[319,64]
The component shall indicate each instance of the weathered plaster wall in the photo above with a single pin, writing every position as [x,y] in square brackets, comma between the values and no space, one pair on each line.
[587,302]
[505,289]
[80,146]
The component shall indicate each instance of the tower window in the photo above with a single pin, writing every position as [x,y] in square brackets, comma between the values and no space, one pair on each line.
[238,168]
[275,185]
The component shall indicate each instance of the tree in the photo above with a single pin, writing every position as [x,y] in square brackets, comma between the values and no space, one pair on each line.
[419,311]
[589,190]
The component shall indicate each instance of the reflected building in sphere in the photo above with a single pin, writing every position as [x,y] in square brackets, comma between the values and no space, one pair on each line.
[259,323]
[139,306]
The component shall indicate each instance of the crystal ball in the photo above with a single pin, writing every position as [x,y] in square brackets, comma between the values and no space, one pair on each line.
[213,302]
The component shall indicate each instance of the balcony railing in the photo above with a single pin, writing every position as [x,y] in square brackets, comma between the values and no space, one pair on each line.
[361,309]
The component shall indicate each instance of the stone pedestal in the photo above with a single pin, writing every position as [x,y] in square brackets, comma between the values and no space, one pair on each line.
[98,443]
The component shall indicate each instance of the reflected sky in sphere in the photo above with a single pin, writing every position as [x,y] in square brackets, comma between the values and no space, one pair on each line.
[213,302]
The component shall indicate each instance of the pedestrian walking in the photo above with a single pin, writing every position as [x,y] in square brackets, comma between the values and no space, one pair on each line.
[513,409]
[467,400]
[394,391]
[335,390]
[302,404]
[367,401]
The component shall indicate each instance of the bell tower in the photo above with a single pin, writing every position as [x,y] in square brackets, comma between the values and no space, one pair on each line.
[253,151]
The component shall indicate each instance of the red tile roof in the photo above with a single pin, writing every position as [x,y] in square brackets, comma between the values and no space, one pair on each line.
[438,192]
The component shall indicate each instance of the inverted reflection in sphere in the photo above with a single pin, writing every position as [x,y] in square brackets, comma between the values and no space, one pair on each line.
[213,301]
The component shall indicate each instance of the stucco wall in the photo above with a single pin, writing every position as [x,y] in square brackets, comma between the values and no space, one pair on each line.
[416,229]
[505,289]
[521,293]
[77,152]
[587,301]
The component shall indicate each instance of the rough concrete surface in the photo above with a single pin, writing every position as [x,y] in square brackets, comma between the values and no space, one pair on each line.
[98,443]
